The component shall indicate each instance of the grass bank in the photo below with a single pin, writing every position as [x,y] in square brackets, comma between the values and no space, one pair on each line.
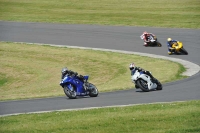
[28,71]
[177,117]
[160,13]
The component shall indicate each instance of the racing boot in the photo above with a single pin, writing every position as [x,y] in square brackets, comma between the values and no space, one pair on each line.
[86,86]
[145,44]
[172,50]
[152,78]
[169,52]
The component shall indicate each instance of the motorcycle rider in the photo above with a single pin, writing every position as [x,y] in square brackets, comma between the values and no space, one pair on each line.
[65,71]
[146,37]
[170,42]
[133,69]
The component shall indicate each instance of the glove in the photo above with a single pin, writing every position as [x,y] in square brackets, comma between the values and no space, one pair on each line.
[81,76]
[75,73]
[147,72]
[72,72]
[139,68]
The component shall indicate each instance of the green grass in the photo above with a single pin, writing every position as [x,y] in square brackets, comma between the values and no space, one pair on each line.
[177,117]
[29,71]
[160,13]
[3,80]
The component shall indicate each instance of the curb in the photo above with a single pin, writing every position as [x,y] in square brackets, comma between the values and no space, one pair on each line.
[191,68]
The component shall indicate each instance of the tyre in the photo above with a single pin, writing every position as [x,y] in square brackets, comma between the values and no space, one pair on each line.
[69,93]
[159,44]
[143,85]
[182,50]
[93,91]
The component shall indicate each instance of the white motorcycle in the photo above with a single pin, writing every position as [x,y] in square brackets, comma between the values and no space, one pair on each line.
[145,82]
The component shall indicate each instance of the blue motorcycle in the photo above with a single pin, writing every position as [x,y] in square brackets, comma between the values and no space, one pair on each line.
[74,87]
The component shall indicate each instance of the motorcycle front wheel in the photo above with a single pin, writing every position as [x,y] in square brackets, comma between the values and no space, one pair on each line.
[143,85]
[69,93]
[93,91]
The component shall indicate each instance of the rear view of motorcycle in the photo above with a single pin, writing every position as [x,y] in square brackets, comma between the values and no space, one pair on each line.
[73,86]
[145,82]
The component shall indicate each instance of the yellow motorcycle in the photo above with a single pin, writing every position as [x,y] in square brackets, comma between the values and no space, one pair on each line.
[178,48]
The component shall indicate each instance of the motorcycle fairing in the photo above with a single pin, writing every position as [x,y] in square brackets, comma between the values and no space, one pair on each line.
[150,84]
[136,75]
[86,77]
[73,81]
[177,46]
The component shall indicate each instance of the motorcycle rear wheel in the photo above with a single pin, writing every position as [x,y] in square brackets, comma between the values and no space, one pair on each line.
[182,50]
[70,94]
[159,44]
[93,91]
[143,85]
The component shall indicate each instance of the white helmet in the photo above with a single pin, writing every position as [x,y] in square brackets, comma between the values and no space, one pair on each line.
[169,39]
[132,66]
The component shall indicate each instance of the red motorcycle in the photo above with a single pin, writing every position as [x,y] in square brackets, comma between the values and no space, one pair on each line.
[153,41]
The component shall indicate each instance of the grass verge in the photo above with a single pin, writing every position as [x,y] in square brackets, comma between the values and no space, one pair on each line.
[29,71]
[177,117]
[160,13]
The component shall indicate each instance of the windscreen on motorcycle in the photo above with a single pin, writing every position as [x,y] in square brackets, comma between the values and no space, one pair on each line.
[86,77]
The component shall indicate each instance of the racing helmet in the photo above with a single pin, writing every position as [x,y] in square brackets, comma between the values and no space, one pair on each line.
[64,70]
[132,66]
[169,39]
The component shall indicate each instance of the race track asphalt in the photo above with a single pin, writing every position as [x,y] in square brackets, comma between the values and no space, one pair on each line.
[124,38]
